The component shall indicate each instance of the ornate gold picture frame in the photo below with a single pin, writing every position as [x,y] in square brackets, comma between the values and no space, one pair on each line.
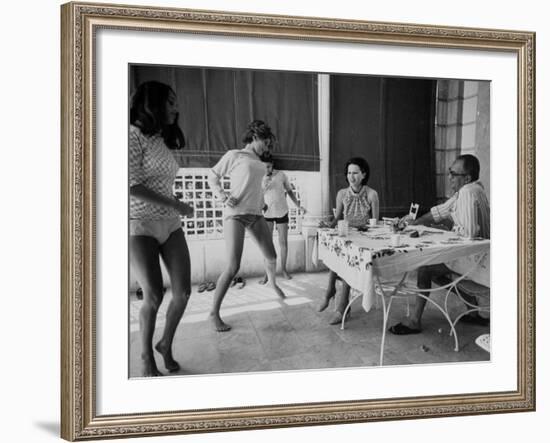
[80,419]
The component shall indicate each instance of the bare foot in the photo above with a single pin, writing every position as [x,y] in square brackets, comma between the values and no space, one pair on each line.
[219,324]
[287,275]
[169,363]
[263,281]
[149,368]
[279,291]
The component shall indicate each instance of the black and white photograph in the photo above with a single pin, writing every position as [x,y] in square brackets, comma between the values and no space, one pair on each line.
[281,218]
[291,221]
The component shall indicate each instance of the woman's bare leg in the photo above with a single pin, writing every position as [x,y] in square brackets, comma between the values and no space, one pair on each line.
[260,232]
[282,229]
[344,298]
[144,260]
[343,301]
[270,224]
[234,239]
[329,293]
[175,255]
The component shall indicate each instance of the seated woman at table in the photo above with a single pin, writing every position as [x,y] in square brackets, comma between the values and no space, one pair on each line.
[356,204]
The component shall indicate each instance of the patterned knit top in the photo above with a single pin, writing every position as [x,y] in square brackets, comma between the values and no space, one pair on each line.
[151,164]
[357,205]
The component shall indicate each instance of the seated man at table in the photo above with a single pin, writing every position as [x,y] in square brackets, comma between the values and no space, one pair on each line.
[468,210]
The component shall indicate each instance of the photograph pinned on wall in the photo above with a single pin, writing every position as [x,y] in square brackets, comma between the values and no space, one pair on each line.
[256,161]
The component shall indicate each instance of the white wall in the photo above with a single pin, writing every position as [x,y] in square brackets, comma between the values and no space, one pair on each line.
[208,259]
[29,179]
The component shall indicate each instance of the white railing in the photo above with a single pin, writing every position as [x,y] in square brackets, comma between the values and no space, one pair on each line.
[191,186]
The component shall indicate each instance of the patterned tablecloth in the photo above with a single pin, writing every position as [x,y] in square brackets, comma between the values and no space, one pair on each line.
[360,256]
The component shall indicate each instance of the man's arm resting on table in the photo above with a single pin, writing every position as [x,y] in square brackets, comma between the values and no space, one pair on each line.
[426,220]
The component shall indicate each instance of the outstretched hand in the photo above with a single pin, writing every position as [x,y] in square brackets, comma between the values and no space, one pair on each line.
[407,220]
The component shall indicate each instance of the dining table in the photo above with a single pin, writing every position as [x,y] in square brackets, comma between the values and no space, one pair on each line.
[375,261]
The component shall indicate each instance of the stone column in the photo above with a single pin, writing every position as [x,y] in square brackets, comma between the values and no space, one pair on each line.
[318,202]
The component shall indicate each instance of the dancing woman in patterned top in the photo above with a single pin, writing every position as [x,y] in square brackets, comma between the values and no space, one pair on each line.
[155,223]
[356,204]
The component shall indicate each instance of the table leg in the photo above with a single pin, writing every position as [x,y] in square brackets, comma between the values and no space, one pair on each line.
[394,291]
[386,311]
[445,314]
[352,298]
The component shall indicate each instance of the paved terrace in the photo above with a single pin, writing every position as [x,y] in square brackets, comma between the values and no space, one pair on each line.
[269,334]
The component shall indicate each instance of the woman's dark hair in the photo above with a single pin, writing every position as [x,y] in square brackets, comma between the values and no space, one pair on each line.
[363,165]
[148,112]
[260,130]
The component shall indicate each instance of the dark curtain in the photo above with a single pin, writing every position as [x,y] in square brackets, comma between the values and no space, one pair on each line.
[216,105]
[389,122]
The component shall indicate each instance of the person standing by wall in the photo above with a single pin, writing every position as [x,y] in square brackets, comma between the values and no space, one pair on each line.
[276,187]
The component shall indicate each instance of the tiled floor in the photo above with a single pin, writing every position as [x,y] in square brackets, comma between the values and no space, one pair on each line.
[269,334]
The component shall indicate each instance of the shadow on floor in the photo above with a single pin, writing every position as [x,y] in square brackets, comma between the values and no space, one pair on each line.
[51,428]
[269,334]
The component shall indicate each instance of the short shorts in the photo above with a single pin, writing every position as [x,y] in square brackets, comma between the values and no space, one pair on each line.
[247,220]
[278,220]
[158,229]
